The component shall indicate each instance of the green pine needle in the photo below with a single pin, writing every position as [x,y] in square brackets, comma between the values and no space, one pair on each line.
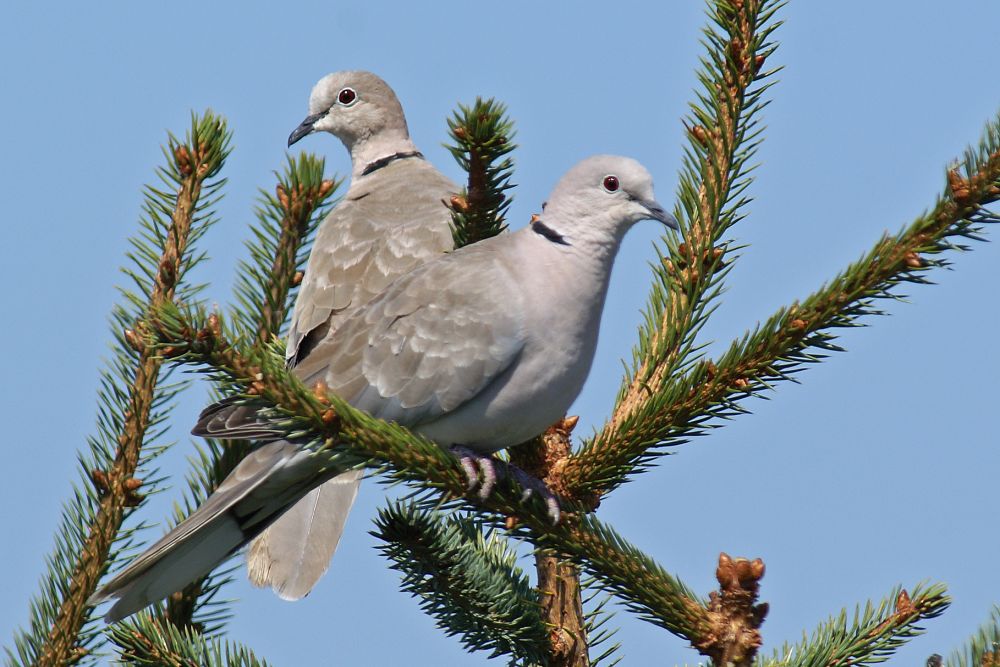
[466,579]
[482,136]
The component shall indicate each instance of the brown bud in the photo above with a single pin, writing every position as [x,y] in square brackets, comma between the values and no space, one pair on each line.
[959,187]
[741,383]
[913,260]
[329,417]
[699,134]
[903,603]
[100,480]
[534,218]
[283,199]
[758,62]
[131,484]
[459,132]
[168,351]
[320,392]
[569,423]
[511,522]
[459,203]
[297,278]
[797,324]
[183,159]
[133,340]
[133,499]
[325,188]
[710,370]
[215,325]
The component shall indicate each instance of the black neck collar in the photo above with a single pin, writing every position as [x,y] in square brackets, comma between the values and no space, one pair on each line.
[542,229]
[381,162]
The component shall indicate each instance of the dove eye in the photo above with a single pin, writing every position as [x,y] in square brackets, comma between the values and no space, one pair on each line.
[611,183]
[347,96]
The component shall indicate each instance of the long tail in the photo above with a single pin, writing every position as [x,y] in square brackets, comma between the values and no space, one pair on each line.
[293,553]
[264,484]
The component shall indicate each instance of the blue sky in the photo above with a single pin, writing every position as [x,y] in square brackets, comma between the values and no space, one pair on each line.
[880,468]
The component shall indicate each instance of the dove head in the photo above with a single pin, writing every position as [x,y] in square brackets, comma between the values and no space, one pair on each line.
[358,108]
[599,199]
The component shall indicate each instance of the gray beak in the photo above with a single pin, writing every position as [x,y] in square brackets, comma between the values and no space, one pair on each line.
[306,127]
[657,212]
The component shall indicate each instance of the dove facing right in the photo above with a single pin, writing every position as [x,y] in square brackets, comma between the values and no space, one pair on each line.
[481,348]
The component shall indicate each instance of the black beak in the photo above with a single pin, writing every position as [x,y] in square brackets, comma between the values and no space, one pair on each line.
[306,127]
[657,212]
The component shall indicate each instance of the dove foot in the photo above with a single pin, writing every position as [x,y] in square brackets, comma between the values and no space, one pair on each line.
[484,471]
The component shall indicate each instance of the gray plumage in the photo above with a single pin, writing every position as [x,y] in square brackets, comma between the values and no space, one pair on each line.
[484,347]
[392,218]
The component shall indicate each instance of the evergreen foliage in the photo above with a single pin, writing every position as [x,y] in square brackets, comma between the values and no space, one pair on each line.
[448,545]
[467,580]
[147,640]
[482,142]
[134,402]
[875,632]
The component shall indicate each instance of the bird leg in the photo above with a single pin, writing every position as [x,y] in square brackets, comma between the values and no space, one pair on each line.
[484,471]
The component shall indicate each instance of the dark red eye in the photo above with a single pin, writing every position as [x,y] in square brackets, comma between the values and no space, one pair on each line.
[346,96]
[611,183]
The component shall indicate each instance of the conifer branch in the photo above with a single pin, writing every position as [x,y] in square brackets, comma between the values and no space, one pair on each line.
[279,247]
[133,400]
[641,583]
[723,135]
[798,335]
[278,250]
[325,422]
[148,640]
[874,634]
[982,649]
[558,579]
[482,140]
[469,582]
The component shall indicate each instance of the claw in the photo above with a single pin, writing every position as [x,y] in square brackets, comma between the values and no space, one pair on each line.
[484,471]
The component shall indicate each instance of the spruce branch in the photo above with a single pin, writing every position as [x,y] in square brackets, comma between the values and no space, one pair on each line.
[326,423]
[640,582]
[723,133]
[874,634]
[467,580]
[801,334]
[134,401]
[982,649]
[558,579]
[279,246]
[147,640]
[482,140]
[278,249]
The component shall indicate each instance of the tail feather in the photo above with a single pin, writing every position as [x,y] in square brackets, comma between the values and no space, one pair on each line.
[264,484]
[230,419]
[293,553]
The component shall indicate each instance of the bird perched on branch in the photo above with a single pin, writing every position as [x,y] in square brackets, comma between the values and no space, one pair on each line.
[479,349]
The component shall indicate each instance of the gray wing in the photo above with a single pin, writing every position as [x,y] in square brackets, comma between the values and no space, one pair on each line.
[391,222]
[432,341]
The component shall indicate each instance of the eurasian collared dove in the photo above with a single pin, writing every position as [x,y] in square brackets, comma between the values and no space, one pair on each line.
[392,218]
[484,348]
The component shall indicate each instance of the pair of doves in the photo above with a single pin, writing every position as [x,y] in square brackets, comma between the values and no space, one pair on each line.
[477,349]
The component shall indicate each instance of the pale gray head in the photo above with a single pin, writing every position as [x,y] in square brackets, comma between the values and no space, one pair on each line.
[354,106]
[600,198]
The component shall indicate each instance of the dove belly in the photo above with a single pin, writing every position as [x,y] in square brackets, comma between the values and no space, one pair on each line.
[519,405]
